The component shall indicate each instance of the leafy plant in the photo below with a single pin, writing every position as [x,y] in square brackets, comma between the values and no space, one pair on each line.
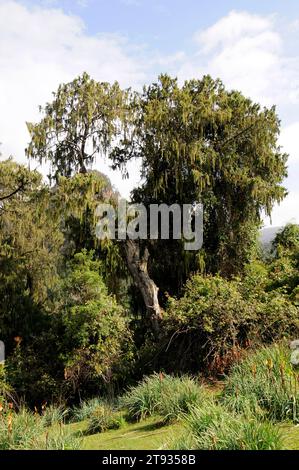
[216,319]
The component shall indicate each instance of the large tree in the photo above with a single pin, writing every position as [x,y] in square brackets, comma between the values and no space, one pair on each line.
[82,121]
[200,142]
[87,118]
[30,242]
[197,143]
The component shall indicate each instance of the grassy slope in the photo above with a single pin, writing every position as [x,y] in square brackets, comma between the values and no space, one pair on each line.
[151,435]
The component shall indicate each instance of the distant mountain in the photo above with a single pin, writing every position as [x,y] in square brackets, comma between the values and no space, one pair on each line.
[268,234]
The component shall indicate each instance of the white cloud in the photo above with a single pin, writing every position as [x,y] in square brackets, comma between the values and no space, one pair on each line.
[288,210]
[289,140]
[42,47]
[247,52]
[232,28]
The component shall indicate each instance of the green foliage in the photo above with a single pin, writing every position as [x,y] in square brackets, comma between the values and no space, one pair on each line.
[284,268]
[68,338]
[29,250]
[6,390]
[264,384]
[61,439]
[24,430]
[216,318]
[83,114]
[213,428]
[96,335]
[35,370]
[197,142]
[287,238]
[200,142]
[164,395]
[85,347]
[14,180]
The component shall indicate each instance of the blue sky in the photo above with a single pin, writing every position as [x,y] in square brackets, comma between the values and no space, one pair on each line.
[252,45]
[165,24]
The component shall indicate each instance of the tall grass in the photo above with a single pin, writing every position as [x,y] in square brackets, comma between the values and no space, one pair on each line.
[85,410]
[58,439]
[164,395]
[25,430]
[104,418]
[54,415]
[19,430]
[264,385]
[211,427]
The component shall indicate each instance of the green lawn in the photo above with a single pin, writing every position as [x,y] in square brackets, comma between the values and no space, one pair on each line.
[290,436]
[151,434]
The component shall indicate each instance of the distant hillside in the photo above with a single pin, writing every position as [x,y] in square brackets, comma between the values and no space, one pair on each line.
[267,235]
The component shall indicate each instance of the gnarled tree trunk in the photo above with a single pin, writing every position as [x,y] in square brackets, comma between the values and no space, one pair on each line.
[137,259]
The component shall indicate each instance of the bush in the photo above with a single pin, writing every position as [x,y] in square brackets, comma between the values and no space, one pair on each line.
[264,384]
[103,418]
[163,395]
[211,427]
[95,327]
[212,323]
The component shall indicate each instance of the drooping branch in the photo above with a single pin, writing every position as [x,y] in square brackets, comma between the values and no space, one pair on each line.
[15,191]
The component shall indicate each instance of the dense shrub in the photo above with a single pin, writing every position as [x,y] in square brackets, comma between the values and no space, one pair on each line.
[6,390]
[96,333]
[211,427]
[163,395]
[84,347]
[265,385]
[283,271]
[216,318]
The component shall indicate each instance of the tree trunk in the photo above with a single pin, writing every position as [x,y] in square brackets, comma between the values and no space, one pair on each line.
[137,260]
